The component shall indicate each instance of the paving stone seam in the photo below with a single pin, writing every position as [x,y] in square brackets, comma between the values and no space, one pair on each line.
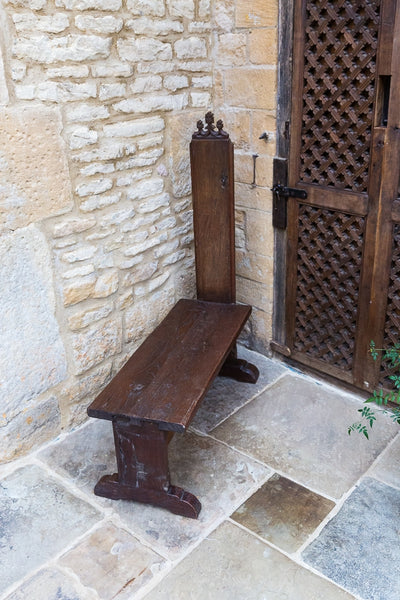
[52,562]
[292,557]
[235,410]
[209,530]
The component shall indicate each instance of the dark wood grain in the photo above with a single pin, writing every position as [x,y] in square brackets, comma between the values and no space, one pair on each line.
[169,374]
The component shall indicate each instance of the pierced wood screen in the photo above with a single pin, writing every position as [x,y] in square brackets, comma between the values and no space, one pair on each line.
[328,275]
[339,70]
[392,322]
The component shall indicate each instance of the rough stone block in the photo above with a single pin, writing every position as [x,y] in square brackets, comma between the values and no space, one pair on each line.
[50,24]
[31,350]
[155,8]
[79,48]
[191,47]
[145,26]
[78,290]
[95,344]
[89,4]
[106,285]
[231,49]
[143,49]
[257,14]
[181,8]
[108,24]
[34,172]
[34,426]
[134,128]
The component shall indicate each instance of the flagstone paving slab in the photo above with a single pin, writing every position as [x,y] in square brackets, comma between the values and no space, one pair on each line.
[226,395]
[38,518]
[231,564]
[283,512]
[299,427]
[387,467]
[219,476]
[112,562]
[359,549]
[52,584]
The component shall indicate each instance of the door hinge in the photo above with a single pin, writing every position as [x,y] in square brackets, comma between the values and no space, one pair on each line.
[279,211]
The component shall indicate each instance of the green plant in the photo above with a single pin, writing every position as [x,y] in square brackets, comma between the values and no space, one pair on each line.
[390,356]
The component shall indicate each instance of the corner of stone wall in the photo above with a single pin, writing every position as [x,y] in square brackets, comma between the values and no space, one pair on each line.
[245,72]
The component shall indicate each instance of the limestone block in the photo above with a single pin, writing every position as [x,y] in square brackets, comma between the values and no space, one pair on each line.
[78,290]
[88,4]
[86,112]
[231,49]
[191,47]
[237,122]
[200,99]
[225,14]
[107,24]
[149,83]
[175,82]
[251,88]
[111,68]
[81,271]
[50,24]
[153,8]
[146,26]
[258,13]
[132,49]
[95,344]
[31,4]
[134,128]
[34,426]
[106,284]
[34,176]
[143,316]
[112,90]
[257,197]
[73,225]
[32,356]
[94,187]
[204,9]
[45,49]
[263,46]
[254,266]
[65,71]
[152,103]
[181,8]
[82,136]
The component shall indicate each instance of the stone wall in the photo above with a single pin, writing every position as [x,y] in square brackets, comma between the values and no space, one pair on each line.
[98,100]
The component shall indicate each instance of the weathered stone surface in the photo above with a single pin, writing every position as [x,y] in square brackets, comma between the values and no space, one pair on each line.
[96,343]
[34,177]
[57,585]
[32,356]
[227,395]
[32,427]
[4,97]
[250,88]
[231,49]
[263,46]
[33,505]
[219,476]
[256,14]
[367,523]
[232,563]
[283,513]
[299,428]
[114,550]
[387,467]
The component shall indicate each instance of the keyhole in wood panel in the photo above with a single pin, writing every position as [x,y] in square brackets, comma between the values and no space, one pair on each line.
[224,181]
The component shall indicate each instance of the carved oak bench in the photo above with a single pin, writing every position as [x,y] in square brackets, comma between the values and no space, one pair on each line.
[159,389]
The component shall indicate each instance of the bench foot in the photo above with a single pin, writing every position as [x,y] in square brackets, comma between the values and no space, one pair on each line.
[239,369]
[143,473]
[174,499]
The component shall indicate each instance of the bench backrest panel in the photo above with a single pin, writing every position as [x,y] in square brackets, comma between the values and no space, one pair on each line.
[213,217]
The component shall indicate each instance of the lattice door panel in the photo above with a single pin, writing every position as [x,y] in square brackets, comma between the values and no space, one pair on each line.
[341,38]
[329,257]
[392,321]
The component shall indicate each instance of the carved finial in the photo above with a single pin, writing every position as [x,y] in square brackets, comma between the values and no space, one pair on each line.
[209,131]
[210,121]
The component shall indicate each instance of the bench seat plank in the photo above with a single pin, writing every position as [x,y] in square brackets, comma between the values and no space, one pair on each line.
[166,378]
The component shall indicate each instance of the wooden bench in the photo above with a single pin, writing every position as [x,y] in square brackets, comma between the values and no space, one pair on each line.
[159,389]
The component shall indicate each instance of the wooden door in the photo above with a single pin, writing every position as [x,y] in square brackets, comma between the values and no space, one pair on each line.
[343,240]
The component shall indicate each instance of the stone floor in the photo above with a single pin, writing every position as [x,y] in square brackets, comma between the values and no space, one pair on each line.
[293,507]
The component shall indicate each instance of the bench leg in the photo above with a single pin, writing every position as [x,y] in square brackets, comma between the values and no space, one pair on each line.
[143,472]
[239,369]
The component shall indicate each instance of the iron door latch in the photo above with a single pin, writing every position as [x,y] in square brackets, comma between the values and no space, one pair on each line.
[279,210]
